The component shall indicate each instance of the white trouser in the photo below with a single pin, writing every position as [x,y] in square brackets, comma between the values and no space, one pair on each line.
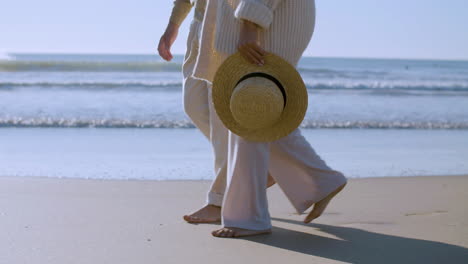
[241,166]
[196,105]
[301,174]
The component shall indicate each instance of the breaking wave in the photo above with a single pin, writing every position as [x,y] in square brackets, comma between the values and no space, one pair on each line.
[306,124]
[87,66]
[150,84]
[93,84]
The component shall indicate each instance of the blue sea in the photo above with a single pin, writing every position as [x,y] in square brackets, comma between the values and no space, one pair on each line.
[52,105]
[45,90]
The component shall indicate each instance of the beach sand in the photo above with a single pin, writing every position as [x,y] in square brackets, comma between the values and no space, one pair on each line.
[422,219]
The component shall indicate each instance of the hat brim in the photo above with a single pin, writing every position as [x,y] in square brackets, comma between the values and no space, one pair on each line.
[233,69]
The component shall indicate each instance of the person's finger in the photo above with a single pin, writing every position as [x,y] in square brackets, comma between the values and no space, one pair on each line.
[256,53]
[244,49]
[244,52]
[258,49]
[258,59]
[162,49]
[248,55]
[164,54]
[168,51]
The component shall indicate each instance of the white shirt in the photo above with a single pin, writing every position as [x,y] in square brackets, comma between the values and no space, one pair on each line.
[287,27]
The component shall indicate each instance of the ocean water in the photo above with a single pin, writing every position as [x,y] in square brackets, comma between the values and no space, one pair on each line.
[121,116]
[43,90]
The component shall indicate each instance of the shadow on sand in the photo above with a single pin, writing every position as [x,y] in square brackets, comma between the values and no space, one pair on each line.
[361,246]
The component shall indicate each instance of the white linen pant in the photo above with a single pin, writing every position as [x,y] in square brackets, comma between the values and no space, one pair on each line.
[198,106]
[241,166]
[196,102]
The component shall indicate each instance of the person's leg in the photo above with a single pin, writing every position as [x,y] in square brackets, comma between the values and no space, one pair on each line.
[244,208]
[219,143]
[213,129]
[195,93]
[196,106]
[303,176]
[245,205]
[218,135]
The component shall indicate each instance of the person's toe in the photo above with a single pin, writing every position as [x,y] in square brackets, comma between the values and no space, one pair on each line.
[226,232]
[230,233]
[311,216]
[189,218]
[223,232]
[219,233]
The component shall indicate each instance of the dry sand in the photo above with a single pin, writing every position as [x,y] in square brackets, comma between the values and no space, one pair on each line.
[373,220]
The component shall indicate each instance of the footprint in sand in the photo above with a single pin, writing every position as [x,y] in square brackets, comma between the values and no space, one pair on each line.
[436,212]
[368,223]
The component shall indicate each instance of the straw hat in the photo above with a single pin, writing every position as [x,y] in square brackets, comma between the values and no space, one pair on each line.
[259,103]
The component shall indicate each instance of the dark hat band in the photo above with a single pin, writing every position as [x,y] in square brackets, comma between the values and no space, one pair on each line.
[269,77]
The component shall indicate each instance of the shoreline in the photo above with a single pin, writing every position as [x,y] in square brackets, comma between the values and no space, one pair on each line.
[208,180]
[184,154]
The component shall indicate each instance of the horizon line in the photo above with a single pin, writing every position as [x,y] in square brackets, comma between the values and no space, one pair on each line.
[180,54]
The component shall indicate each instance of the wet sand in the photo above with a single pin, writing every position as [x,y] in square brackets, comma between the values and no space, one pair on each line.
[420,219]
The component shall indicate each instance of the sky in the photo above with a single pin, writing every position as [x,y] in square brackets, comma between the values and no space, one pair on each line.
[420,29]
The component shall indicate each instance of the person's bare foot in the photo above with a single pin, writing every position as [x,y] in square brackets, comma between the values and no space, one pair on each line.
[320,206]
[207,214]
[212,213]
[271,181]
[238,232]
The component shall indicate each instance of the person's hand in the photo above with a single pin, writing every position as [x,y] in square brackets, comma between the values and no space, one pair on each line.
[165,43]
[249,45]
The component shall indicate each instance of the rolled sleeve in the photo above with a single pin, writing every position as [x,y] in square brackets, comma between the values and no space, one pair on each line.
[180,11]
[254,11]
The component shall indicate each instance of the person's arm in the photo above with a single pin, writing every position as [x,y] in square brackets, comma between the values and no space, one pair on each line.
[179,13]
[254,15]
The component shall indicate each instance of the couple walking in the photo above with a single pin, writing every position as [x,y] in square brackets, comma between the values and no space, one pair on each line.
[244,168]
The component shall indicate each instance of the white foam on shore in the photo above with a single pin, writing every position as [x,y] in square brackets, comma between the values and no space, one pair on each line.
[5,56]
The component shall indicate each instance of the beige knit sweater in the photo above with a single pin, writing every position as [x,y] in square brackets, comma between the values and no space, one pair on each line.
[287,27]
[180,11]
[181,8]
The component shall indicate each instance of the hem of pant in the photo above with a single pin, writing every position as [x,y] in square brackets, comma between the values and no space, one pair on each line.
[215,198]
[302,208]
[245,226]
